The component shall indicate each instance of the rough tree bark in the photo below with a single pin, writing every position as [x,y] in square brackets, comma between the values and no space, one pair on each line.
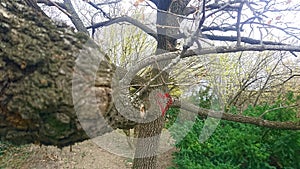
[146,151]
[37,60]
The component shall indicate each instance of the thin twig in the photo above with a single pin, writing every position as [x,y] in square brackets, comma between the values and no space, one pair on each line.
[277,108]
[238,24]
[60,8]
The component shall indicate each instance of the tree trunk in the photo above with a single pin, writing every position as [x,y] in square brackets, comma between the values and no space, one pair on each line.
[147,149]
[37,62]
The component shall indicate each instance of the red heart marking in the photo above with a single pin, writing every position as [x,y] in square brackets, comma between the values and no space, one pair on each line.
[166,104]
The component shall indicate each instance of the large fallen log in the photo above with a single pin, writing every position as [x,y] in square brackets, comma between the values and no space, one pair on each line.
[37,63]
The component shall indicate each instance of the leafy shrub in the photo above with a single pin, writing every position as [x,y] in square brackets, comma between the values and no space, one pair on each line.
[242,146]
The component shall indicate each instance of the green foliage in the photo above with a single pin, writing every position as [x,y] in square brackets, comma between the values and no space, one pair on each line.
[171,116]
[242,146]
[282,110]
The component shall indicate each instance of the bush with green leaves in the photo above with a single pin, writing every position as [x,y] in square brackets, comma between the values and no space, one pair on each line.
[242,146]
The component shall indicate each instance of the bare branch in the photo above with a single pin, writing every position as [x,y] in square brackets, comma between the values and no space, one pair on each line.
[286,30]
[266,82]
[231,39]
[212,50]
[62,7]
[289,78]
[98,8]
[218,28]
[218,10]
[243,39]
[238,22]
[277,108]
[224,6]
[108,3]
[287,125]
[128,19]
[51,3]
[74,17]
[230,49]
